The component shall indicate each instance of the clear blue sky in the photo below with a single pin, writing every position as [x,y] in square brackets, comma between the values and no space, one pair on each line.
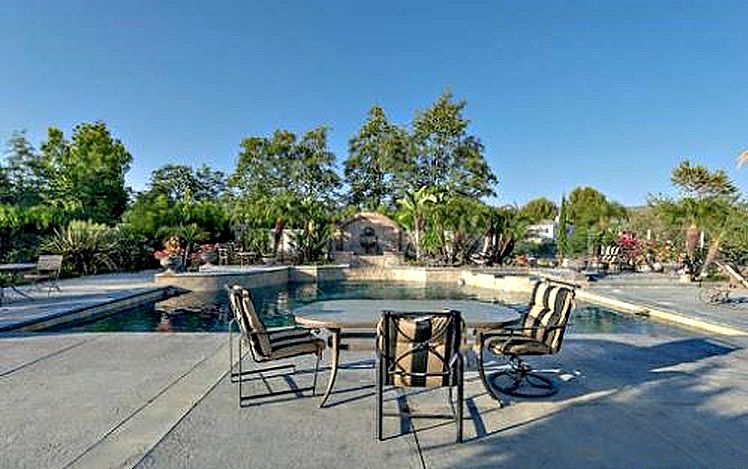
[563,93]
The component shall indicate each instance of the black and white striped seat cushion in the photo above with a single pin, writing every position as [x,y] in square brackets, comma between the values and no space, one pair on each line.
[288,342]
[610,254]
[544,324]
[270,344]
[422,345]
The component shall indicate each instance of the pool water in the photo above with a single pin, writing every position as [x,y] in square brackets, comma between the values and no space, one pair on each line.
[208,312]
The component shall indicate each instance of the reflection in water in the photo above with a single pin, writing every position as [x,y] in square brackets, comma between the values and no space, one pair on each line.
[208,312]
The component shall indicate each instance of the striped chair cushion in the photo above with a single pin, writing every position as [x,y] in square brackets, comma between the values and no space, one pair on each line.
[550,306]
[421,345]
[292,341]
[610,254]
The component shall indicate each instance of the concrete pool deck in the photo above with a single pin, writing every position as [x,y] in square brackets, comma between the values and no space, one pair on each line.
[666,300]
[163,400]
[78,297]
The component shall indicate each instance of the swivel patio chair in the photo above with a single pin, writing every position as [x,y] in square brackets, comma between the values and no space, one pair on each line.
[267,345]
[420,350]
[541,333]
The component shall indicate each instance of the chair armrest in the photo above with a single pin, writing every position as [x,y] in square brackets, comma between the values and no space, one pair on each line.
[512,332]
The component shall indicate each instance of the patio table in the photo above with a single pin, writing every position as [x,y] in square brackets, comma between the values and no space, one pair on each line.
[13,271]
[358,318]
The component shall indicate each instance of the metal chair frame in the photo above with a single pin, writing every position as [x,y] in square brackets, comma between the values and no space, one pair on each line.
[242,375]
[519,371]
[454,367]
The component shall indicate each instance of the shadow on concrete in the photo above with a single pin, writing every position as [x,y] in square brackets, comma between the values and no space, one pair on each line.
[679,403]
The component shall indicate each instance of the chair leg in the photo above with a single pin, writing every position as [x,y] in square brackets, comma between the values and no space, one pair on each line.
[460,398]
[520,373]
[240,373]
[484,379]
[316,370]
[380,400]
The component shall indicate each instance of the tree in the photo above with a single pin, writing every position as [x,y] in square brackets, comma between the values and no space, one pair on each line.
[709,203]
[86,175]
[284,164]
[412,215]
[563,227]
[539,209]
[506,226]
[592,214]
[277,175]
[378,158]
[447,157]
[21,181]
[180,182]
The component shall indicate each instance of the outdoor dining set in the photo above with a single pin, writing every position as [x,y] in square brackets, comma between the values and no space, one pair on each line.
[46,269]
[419,344]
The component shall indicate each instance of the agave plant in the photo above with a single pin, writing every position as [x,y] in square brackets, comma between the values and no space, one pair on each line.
[86,246]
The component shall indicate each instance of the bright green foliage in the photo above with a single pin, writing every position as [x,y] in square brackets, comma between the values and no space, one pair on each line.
[85,176]
[414,208]
[506,227]
[698,182]
[133,251]
[285,164]
[379,159]
[447,157]
[87,247]
[710,202]
[150,216]
[456,224]
[539,209]
[278,177]
[592,216]
[311,243]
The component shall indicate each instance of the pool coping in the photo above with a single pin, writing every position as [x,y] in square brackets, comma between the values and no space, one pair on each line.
[657,312]
[62,317]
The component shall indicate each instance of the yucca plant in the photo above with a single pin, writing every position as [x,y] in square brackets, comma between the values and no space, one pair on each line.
[86,246]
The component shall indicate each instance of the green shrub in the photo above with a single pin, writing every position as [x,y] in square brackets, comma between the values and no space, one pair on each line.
[132,252]
[87,247]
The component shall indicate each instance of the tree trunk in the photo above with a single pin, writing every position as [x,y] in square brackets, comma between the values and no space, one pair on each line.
[692,239]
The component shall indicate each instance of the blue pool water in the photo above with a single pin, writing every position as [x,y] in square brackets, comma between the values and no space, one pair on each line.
[208,312]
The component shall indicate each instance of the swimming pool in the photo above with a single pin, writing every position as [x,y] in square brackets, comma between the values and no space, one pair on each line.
[208,312]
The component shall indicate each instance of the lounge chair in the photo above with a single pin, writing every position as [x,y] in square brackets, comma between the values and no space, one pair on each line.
[420,350]
[48,269]
[541,333]
[267,345]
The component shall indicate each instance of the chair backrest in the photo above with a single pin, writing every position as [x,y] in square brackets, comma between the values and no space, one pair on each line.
[49,263]
[253,330]
[418,348]
[548,313]
[610,254]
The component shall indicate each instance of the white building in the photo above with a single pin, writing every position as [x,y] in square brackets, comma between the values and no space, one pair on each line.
[546,230]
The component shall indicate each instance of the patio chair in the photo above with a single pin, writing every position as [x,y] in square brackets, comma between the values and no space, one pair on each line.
[420,350]
[267,345]
[47,269]
[541,333]
[610,257]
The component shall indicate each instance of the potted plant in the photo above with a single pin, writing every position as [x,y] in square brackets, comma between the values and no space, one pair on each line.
[209,254]
[170,256]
